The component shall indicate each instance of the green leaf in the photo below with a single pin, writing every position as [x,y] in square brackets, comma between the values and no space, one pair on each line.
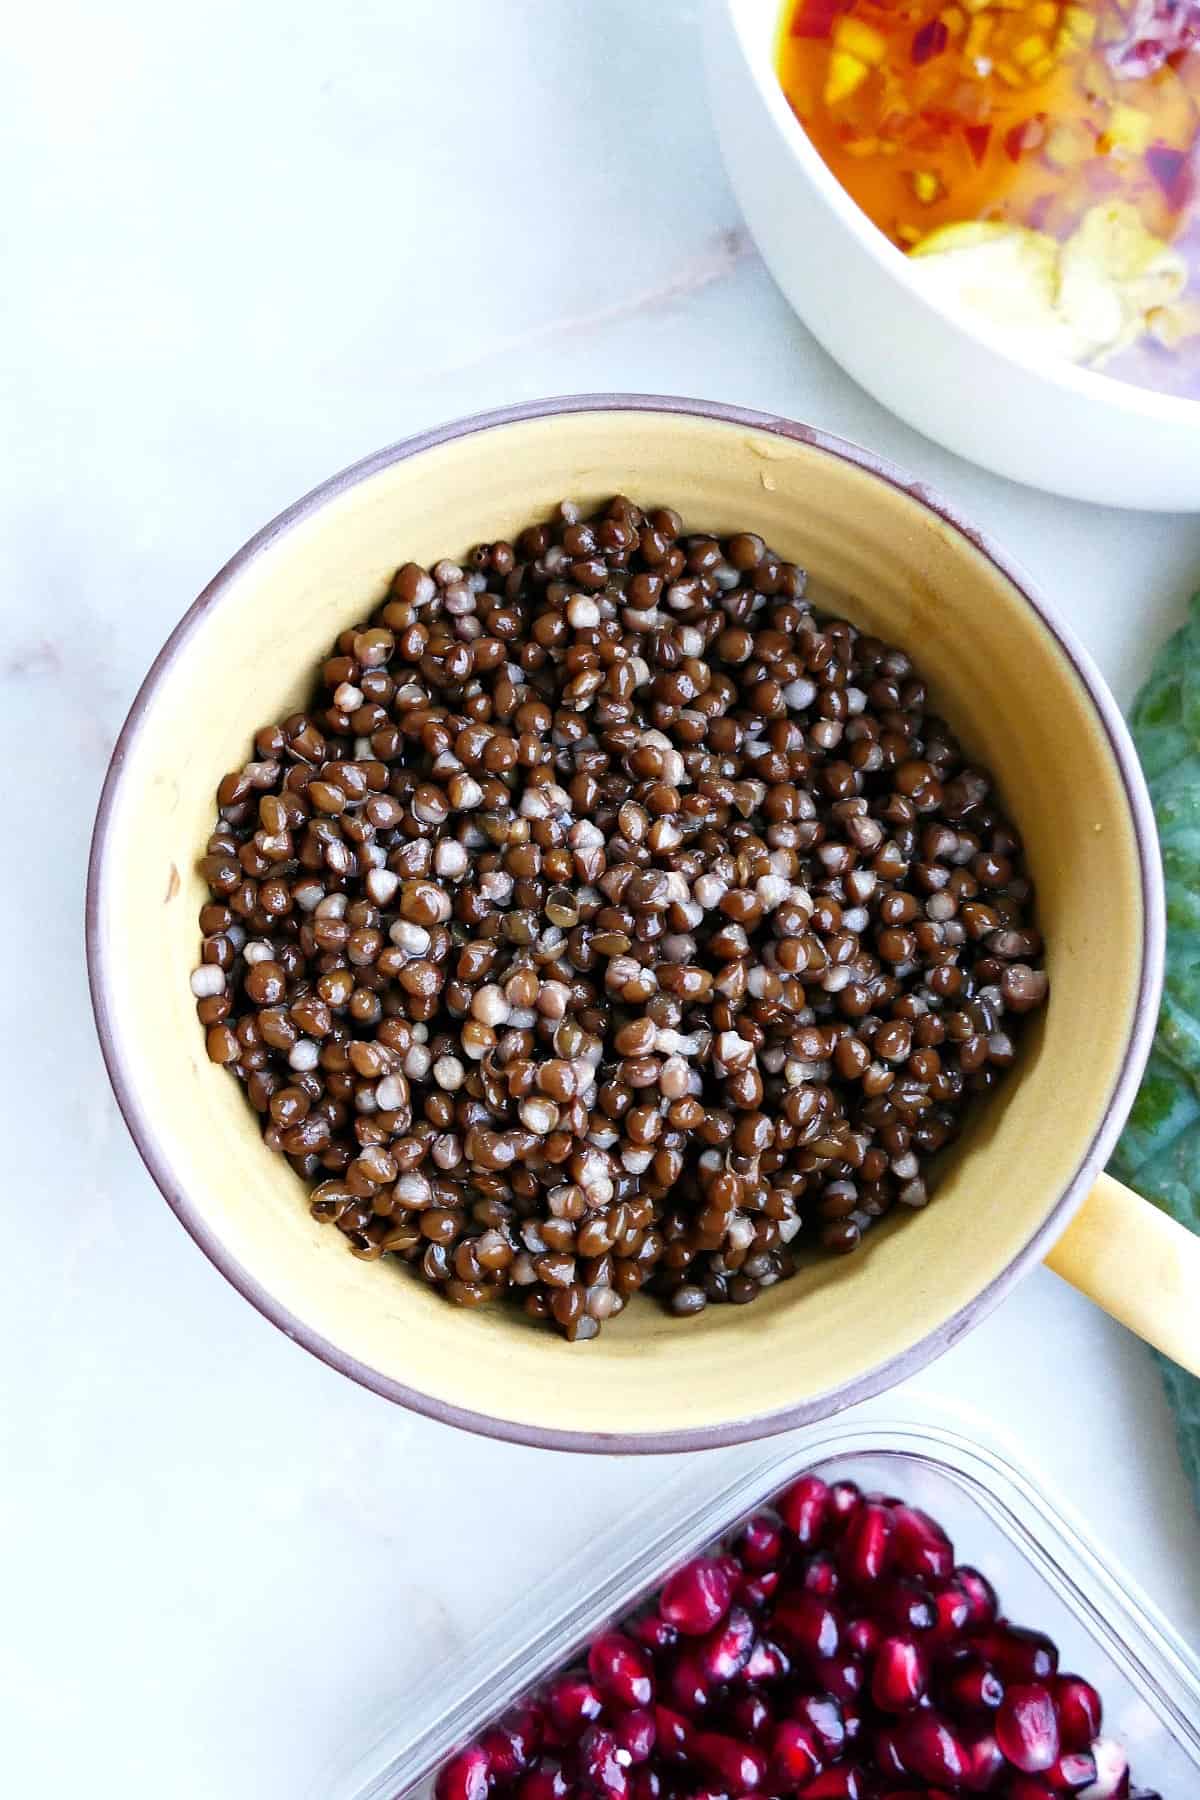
[1165,1110]
[1159,1151]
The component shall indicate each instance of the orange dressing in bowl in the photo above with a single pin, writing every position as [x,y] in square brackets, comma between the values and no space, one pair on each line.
[1022,113]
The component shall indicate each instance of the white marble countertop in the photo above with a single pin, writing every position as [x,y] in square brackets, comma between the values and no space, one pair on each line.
[247,244]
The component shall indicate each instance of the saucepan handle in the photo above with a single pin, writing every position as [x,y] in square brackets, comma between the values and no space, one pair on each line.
[1139,1265]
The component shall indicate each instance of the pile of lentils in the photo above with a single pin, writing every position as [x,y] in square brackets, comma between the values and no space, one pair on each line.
[612,920]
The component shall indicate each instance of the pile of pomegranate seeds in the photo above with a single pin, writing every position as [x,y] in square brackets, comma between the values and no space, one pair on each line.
[833,1650]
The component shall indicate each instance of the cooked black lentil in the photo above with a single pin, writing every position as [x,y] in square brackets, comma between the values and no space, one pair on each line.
[612,920]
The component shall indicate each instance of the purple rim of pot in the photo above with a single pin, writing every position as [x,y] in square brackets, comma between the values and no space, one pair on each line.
[874,1380]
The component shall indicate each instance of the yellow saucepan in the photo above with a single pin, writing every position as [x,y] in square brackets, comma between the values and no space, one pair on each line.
[1025,1181]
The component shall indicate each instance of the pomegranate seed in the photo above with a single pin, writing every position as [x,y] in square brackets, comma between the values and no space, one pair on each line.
[1079,1711]
[804,1508]
[553,1739]
[838,1784]
[1075,1770]
[635,1733]
[795,1754]
[1112,1772]
[697,1596]
[864,1548]
[466,1776]
[766,1662]
[905,1606]
[689,1686]
[929,1748]
[823,1715]
[952,1615]
[844,1499]
[973,1688]
[985,1763]
[600,1764]
[887,1756]
[505,1751]
[756,1591]
[841,1676]
[653,1632]
[900,1675]
[981,1596]
[820,1575]
[863,1637]
[919,1545]
[726,1651]
[1017,1654]
[1027,1729]
[740,1767]
[759,1544]
[523,1722]
[545,1781]
[808,1623]
[647,1784]
[851,1719]
[572,1703]
[674,1734]
[750,1717]
[620,1670]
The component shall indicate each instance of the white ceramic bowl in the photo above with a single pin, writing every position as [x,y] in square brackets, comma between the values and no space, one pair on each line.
[1048,423]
